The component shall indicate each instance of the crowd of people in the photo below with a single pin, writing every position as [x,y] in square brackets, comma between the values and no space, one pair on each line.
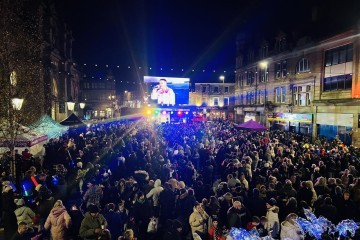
[140,180]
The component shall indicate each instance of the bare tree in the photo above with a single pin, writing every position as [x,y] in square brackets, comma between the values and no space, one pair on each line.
[20,69]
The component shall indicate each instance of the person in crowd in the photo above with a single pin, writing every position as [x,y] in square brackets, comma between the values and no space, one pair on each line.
[8,209]
[328,210]
[76,219]
[25,233]
[255,204]
[142,214]
[44,203]
[94,225]
[154,194]
[272,217]
[58,221]
[115,221]
[128,235]
[198,221]
[236,215]
[173,230]
[215,231]
[261,227]
[167,203]
[290,229]
[24,213]
[255,221]
[93,194]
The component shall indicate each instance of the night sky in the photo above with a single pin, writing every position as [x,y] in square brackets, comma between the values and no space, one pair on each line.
[199,35]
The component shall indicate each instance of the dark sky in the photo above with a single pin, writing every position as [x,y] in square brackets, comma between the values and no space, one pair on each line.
[183,34]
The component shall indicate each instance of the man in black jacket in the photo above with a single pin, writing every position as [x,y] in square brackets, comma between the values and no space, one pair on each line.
[236,215]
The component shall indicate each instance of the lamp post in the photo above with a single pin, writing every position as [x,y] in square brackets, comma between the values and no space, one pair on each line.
[264,65]
[16,106]
[222,78]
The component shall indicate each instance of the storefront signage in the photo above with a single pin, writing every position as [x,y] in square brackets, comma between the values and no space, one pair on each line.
[291,117]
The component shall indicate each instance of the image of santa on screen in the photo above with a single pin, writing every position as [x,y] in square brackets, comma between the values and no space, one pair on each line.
[163,94]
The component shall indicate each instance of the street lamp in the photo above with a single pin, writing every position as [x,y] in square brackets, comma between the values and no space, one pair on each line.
[264,65]
[82,105]
[70,105]
[17,103]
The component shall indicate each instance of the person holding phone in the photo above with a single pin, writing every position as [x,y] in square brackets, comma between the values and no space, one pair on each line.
[163,94]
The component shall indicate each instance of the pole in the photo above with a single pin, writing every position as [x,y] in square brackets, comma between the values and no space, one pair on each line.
[265,94]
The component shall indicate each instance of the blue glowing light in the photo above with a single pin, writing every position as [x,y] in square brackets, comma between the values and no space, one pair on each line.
[347,226]
[55,180]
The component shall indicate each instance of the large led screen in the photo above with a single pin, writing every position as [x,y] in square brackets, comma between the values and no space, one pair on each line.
[167,91]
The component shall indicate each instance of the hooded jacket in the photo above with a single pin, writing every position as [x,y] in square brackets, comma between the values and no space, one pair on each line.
[58,221]
[290,231]
[198,221]
[272,216]
[24,214]
[155,192]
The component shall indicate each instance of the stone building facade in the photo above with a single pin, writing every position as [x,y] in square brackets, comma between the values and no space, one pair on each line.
[311,88]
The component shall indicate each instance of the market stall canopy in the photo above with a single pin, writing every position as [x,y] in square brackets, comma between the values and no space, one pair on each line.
[49,126]
[251,125]
[72,121]
[24,137]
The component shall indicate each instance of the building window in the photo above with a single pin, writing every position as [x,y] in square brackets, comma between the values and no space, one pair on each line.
[303,66]
[226,101]
[250,78]
[203,101]
[216,101]
[216,89]
[281,69]
[277,95]
[242,79]
[340,82]
[283,94]
[302,95]
[241,99]
[203,89]
[339,55]
[226,89]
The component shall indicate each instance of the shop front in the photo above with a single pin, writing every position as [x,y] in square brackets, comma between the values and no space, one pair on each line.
[332,125]
[292,122]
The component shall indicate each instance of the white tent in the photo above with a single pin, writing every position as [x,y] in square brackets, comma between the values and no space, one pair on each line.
[25,138]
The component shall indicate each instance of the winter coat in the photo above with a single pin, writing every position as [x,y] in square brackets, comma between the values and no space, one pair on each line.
[155,192]
[58,221]
[272,216]
[116,222]
[89,224]
[289,190]
[44,207]
[256,206]
[236,217]
[290,231]
[93,196]
[24,214]
[198,221]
